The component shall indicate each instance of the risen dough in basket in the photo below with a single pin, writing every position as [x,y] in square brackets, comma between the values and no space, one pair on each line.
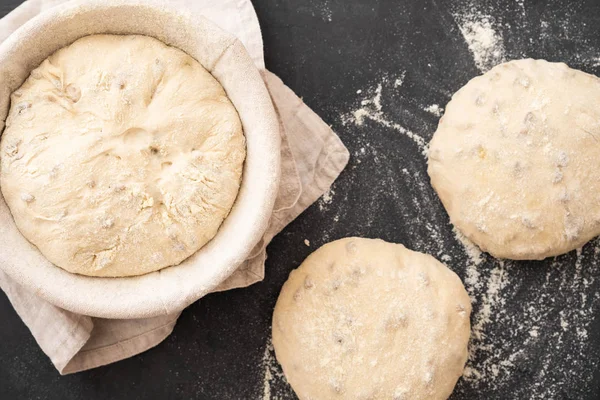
[366,319]
[121,156]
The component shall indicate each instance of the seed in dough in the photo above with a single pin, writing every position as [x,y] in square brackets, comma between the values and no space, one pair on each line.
[517,173]
[385,323]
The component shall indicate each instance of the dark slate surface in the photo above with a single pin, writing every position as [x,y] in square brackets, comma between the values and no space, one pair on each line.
[540,338]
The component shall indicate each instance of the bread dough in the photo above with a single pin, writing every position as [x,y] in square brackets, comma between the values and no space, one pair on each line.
[120,156]
[366,319]
[514,159]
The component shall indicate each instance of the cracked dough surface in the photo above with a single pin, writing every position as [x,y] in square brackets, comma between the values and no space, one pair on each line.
[121,156]
[365,319]
[514,159]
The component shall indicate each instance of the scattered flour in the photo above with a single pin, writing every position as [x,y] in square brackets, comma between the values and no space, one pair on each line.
[327,198]
[489,305]
[372,109]
[554,313]
[473,252]
[521,5]
[267,362]
[325,12]
[534,333]
[400,80]
[434,109]
[507,337]
[485,291]
[592,62]
[485,44]
[267,384]
[274,386]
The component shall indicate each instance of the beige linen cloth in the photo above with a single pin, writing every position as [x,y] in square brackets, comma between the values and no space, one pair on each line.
[312,158]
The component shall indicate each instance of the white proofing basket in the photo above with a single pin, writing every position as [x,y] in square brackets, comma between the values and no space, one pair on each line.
[173,288]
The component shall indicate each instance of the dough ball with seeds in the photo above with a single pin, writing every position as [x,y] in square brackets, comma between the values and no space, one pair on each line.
[367,319]
[514,159]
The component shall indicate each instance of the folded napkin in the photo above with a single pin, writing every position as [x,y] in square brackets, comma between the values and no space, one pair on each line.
[312,157]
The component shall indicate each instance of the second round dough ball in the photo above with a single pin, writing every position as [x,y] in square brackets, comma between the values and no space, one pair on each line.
[514,159]
[367,319]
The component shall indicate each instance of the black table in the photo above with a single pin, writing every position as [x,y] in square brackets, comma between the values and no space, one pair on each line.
[536,331]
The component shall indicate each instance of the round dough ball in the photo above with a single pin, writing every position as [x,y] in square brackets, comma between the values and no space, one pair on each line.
[514,159]
[121,156]
[365,319]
